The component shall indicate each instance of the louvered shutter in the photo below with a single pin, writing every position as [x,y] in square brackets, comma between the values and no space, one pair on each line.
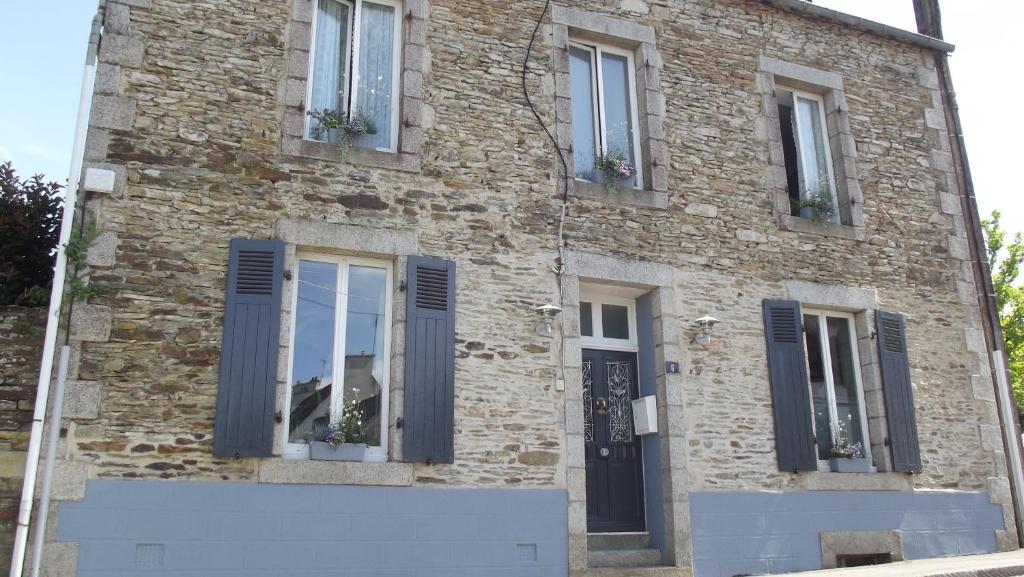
[244,423]
[791,400]
[428,424]
[899,393]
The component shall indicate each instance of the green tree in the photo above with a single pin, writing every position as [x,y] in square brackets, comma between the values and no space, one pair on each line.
[30,213]
[1005,256]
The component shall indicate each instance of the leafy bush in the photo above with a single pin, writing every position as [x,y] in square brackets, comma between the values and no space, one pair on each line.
[30,214]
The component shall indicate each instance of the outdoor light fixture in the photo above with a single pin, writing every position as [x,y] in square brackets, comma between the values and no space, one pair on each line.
[706,325]
[548,312]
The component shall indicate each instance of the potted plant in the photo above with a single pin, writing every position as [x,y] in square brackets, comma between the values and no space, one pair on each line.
[848,458]
[614,169]
[345,440]
[340,127]
[819,204]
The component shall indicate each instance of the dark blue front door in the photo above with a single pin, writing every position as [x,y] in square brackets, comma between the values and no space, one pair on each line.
[615,501]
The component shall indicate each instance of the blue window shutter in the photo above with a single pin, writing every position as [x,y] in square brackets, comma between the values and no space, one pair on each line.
[246,392]
[791,397]
[899,393]
[429,422]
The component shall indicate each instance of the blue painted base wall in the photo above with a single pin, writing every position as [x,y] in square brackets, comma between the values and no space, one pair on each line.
[131,528]
[755,533]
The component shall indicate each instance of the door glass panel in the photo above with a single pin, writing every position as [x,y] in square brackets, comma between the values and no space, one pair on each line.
[330,67]
[313,353]
[615,321]
[586,319]
[813,154]
[364,352]
[847,401]
[819,392]
[584,128]
[620,408]
[617,110]
[588,401]
[374,88]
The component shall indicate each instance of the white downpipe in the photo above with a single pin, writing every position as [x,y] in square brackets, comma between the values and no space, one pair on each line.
[53,324]
[1010,437]
[51,458]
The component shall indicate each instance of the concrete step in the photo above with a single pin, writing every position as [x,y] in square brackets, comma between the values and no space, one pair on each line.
[634,572]
[619,541]
[624,558]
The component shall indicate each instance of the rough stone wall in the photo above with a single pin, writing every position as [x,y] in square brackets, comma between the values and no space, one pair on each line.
[189,112]
[21,346]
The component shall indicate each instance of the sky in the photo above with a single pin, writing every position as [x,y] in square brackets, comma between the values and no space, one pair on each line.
[43,74]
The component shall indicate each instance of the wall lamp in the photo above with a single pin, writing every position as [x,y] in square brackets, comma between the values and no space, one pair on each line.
[548,314]
[705,329]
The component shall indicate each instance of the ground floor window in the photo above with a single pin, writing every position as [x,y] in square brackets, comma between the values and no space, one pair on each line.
[341,337]
[836,392]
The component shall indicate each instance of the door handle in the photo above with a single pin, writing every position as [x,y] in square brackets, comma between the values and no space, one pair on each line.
[601,405]
[604,452]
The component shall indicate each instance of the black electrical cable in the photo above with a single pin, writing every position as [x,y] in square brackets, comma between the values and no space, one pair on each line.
[529,102]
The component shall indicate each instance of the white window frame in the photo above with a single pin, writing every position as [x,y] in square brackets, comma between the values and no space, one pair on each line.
[352,60]
[597,92]
[373,453]
[826,355]
[800,135]
[598,340]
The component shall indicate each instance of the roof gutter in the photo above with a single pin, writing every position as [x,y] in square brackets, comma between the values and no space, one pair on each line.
[856,22]
[929,21]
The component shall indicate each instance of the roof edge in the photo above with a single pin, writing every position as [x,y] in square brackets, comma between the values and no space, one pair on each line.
[905,36]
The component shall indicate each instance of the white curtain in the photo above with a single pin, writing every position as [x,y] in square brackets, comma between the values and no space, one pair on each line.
[618,107]
[374,89]
[584,131]
[813,155]
[330,68]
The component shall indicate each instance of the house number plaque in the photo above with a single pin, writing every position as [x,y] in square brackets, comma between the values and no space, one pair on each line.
[672,368]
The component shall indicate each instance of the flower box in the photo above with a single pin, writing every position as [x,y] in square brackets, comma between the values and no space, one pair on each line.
[320,451]
[862,465]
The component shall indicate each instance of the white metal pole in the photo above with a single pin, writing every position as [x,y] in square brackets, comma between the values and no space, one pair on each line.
[51,460]
[1010,437]
[56,300]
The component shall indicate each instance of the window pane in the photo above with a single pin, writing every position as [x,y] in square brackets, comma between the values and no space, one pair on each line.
[615,321]
[365,331]
[376,73]
[584,127]
[586,319]
[618,106]
[329,64]
[313,351]
[813,154]
[819,392]
[847,401]
[787,130]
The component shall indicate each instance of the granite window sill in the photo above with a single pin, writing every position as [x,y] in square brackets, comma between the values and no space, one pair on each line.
[829,229]
[622,195]
[402,161]
[286,471]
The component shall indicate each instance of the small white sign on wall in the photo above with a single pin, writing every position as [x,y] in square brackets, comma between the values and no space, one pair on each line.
[645,415]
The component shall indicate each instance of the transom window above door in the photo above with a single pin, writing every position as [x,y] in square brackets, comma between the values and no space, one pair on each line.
[604,113]
[608,322]
[355,64]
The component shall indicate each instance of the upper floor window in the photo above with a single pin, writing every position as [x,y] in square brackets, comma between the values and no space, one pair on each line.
[339,370]
[606,141]
[805,146]
[354,71]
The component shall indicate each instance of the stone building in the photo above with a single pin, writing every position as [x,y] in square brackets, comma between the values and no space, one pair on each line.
[782,168]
